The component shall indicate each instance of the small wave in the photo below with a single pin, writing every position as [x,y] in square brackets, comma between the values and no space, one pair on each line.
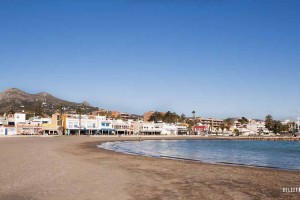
[212,152]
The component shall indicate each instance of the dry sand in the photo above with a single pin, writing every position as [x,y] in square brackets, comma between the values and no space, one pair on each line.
[73,168]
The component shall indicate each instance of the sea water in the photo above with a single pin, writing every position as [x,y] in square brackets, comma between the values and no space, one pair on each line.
[271,154]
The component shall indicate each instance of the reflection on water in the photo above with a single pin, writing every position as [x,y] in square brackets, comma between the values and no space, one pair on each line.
[275,154]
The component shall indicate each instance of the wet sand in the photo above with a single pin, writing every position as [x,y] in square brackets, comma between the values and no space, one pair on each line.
[74,168]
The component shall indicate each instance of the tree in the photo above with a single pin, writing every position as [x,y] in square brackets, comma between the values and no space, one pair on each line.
[222,127]
[191,123]
[170,117]
[228,122]
[10,112]
[236,132]
[182,117]
[269,122]
[277,126]
[156,117]
[118,117]
[292,127]
[243,120]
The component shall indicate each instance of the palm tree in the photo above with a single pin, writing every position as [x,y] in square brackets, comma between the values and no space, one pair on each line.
[79,111]
[61,112]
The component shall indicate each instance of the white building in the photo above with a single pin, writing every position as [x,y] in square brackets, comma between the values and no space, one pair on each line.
[88,125]
[256,126]
[105,126]
[7,130]
[169,129]
[151,128]
[38,121]
[182,130]
[20,118]
[122,127]
[147,128]
[85,123]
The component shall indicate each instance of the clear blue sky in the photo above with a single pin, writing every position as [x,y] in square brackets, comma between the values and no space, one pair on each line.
[220,58]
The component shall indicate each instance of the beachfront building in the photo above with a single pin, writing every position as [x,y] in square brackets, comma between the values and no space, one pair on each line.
[57,119]
[147,128]
[200,129]
[212,123]
[105,126]
[7,130]
[88,125]
[257,126]
[182,130]
[51,129]
[29,129]
[246,132]
[160,128]
[122,127]
[168,129]
[76,124]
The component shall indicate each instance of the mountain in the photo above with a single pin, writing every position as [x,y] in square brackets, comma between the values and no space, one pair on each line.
[16,100]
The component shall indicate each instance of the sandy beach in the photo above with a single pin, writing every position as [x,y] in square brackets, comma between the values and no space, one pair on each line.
[74,168]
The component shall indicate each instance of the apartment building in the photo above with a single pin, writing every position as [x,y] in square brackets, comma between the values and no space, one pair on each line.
[147,128]
[84,124]
[213,124]
[87,124]
[151,128]
[122,127]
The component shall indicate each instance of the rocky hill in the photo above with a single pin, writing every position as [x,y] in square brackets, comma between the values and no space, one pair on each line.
[15,100]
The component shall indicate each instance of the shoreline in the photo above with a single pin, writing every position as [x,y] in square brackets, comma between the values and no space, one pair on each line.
[157,137]
[249,169]
[187,159]
[197,137]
